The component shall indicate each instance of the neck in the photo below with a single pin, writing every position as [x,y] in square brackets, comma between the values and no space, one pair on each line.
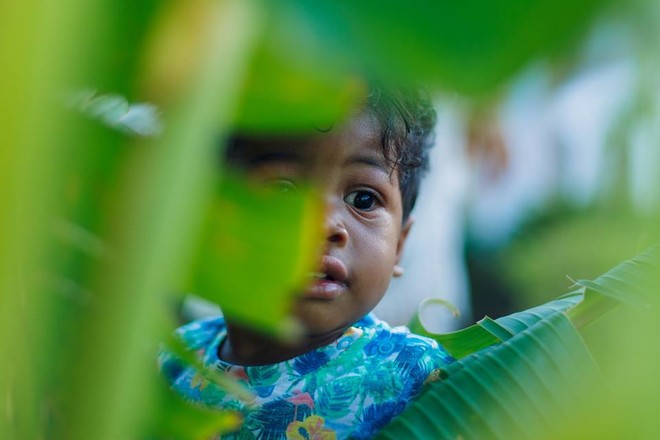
[244,346]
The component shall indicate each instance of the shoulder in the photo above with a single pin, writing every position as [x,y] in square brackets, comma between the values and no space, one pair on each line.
[198,334]
[385,340]
[396,365]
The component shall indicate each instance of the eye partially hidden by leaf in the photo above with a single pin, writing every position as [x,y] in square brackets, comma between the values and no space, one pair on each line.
[255,252]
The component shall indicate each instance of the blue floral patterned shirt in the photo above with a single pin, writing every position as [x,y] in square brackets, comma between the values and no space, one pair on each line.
[350,388]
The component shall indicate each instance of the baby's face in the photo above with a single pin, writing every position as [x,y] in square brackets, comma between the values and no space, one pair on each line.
[364,234]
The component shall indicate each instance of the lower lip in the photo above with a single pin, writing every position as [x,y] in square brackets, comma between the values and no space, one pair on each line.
[324,289]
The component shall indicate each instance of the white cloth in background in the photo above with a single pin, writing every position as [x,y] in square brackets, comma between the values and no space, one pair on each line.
[433,257]
[557,142]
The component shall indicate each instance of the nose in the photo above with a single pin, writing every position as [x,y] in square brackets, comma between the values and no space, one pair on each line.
[335,228]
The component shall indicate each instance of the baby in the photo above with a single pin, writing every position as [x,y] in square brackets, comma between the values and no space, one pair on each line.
[351,374]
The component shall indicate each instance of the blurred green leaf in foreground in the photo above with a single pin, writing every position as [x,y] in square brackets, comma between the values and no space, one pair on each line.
[265,236]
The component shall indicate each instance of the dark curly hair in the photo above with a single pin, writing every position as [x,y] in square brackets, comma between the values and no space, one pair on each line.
[407,121]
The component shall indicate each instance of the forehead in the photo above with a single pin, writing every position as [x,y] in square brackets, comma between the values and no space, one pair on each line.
[360,135]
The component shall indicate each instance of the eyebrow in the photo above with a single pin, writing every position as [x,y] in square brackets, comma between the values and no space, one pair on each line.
[294,157]
[278,156]
[369,161]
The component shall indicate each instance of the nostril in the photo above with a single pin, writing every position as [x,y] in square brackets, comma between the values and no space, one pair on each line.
[336,233]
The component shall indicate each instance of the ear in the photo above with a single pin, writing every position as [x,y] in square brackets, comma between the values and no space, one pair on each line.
[405,230]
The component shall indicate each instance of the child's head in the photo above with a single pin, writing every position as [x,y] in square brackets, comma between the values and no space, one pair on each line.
[368,170]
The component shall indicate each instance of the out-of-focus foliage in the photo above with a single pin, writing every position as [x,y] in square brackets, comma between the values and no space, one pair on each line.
[174,418]
[537,376]
[99,228]
[470,46]
[547,255]
[262,235]
[313,51]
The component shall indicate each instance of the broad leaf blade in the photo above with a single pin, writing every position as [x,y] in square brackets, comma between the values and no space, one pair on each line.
[488,332]
[520,388]
[459,343]
[519,321]
[471,46]
[632,282]
[528,385]
[304,70]
[256,251]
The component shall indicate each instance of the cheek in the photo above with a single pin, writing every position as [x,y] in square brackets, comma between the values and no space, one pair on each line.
[376,251]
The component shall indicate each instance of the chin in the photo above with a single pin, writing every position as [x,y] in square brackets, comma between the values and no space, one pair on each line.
[317,327]
[320,317]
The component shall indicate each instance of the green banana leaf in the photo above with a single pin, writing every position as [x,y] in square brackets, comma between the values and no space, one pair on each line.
[313,52]
[253,268]
[535,374]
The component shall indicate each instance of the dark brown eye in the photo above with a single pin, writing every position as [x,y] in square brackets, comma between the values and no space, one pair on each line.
[362,200]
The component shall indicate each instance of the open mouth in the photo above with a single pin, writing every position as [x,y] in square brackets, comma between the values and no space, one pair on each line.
[330,282]
[322,276]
